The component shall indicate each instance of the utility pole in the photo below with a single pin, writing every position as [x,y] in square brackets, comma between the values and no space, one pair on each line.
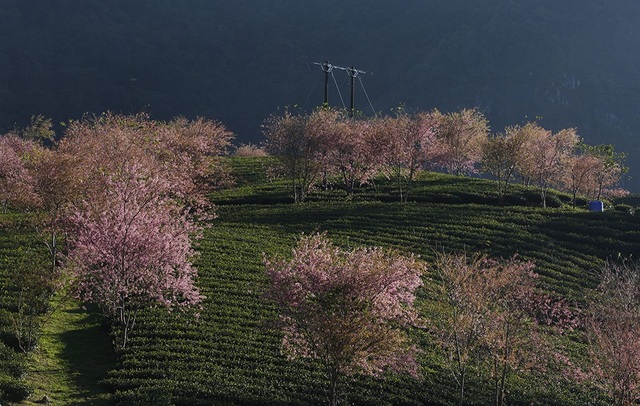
[326,67]
[351,71]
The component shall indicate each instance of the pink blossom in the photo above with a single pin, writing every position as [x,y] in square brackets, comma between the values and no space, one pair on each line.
[130,248]
[347,308]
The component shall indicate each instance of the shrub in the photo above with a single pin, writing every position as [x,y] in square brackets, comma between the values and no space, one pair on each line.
[250,150]
[625,208]
[13,390]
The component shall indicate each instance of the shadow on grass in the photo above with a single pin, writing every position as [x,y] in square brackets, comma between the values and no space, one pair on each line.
[89,354]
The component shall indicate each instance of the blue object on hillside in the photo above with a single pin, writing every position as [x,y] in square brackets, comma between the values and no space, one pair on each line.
[596,205]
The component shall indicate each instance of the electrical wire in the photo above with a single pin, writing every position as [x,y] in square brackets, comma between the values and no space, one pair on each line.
[309,95]
[338,88]
[365,93]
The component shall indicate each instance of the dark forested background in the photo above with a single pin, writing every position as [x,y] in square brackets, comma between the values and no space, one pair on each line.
[573,63]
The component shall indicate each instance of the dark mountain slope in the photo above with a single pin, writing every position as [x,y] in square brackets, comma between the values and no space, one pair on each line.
[573,63]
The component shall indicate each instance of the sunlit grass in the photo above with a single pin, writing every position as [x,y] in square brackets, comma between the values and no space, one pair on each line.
[73,356]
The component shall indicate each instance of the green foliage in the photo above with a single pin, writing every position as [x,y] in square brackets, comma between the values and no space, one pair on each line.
[12,364]
[256,182]
[35,283]
[231,355]
[14,390]
[40,129]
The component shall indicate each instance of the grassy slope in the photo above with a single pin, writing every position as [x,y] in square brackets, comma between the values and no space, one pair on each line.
[74,351]
[229,355]
[73,357]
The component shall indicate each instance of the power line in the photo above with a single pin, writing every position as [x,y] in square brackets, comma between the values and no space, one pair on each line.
[352,72]
[339,94]
[365,93]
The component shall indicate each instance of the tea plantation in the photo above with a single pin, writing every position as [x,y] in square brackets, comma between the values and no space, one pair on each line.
[229,353]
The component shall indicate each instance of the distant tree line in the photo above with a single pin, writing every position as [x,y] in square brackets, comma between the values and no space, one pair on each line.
[327,144]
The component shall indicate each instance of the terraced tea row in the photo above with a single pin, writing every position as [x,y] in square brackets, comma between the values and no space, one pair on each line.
[231,355]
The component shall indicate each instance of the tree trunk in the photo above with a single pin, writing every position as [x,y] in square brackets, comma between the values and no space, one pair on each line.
[500,390]
[53,249]
[400,185]
[325,183]
[333,386]
[127,322]
[462,370]
[461,392]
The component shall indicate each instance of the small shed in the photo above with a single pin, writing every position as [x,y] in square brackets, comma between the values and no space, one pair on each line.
[596,205]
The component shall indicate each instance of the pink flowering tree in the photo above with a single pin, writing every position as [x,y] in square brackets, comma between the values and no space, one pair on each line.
[511,340]
[460,137]
[130,248]
[410,146]
[299,142]
[500,156]
[190,150]
[490,314]
[181,151]
[325,128]
[612,325]
[348,309]
[17,182]
[578,179]
[546,157]
[456,322]
[350,153]
[609,171]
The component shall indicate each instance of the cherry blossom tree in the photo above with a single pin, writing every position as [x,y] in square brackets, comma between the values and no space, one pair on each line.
[297,149]
[60,183]
[127,190]
[250,150]
[511,339]
[348,309]
[580,176]
[612,324]
[457,323]
[490,316]
[351,153]
[410,147]
[130,248]
[500,156]
[608,172]
[192,149]
[107,144]
[181,151]
[16,180]
[142,184]
[460,137]
[329,129]
[546,156]
[375,145]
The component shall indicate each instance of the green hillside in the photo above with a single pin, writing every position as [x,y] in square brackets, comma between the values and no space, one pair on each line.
[230,355]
